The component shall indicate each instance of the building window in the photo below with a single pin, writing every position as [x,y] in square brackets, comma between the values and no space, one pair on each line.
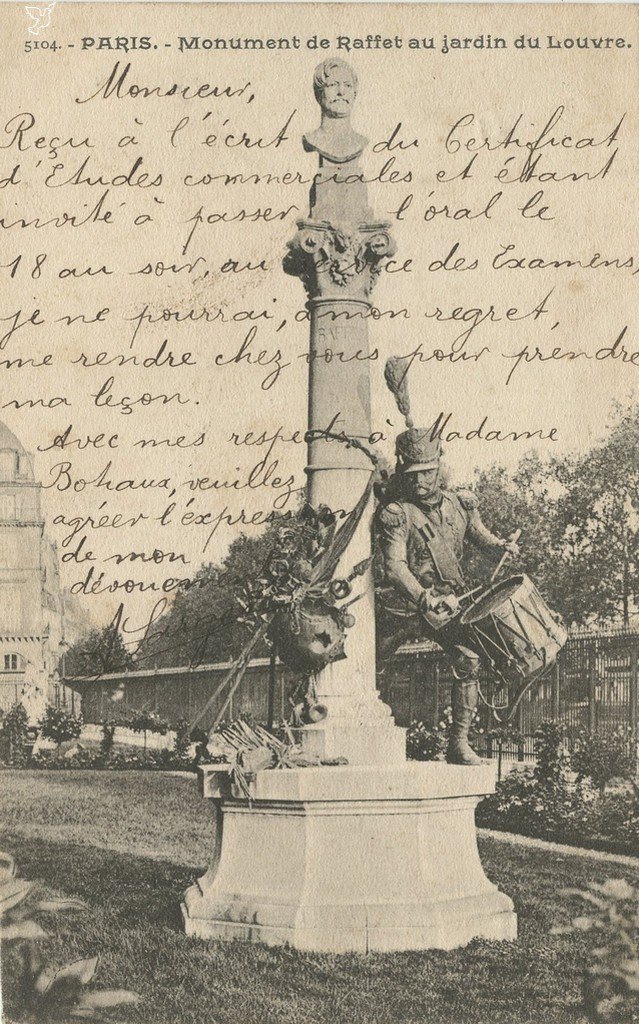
[11,662]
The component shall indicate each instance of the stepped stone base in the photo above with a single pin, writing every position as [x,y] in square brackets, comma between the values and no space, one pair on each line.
[350,858]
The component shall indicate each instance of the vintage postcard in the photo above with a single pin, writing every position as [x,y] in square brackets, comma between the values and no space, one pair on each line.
[319,513]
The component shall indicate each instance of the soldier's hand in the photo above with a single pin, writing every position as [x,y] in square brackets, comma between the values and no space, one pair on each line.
[438,608]
[447,605]
[511,546]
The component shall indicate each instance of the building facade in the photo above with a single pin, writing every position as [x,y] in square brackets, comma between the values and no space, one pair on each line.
[31,608]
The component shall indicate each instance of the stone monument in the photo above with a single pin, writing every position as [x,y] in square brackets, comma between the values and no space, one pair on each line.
[380,853]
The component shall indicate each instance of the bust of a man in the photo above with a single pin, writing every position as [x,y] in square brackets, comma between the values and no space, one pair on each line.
[335,86]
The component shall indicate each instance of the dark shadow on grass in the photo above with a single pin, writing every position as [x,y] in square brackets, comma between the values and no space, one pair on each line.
[131,887]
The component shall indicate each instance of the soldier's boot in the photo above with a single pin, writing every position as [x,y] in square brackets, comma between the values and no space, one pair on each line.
[464,701]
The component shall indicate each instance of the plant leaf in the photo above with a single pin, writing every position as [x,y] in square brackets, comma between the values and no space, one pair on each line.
[21,930]
[327,564]
[54,906]
[582,924]
[630,972]
[618,888]
[12,893]
[584,894]
[80,970]
[107,997]
[360,568]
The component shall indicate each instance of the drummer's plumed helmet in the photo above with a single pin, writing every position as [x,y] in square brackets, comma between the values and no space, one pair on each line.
[416,449]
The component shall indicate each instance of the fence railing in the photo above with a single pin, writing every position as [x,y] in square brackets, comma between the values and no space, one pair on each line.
[593,686]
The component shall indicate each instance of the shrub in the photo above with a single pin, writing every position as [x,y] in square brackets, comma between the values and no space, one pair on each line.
[48,993]
[182,741]
[602,757]
[106,743]
[540,801]
[15,729]
[60,725]
[551,766]
[536,799]
[518,804]
[145,722]
[153,760]
[611,978]
[424,743]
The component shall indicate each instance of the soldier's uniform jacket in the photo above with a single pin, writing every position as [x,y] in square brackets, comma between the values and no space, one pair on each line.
[423,545]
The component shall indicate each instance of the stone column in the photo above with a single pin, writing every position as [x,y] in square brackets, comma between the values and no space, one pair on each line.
[338,259]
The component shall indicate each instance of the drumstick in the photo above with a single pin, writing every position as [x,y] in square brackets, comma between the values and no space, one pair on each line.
[515,537]
[469,593]
[506,554]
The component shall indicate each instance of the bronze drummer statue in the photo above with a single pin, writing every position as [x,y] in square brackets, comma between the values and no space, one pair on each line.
[422,527]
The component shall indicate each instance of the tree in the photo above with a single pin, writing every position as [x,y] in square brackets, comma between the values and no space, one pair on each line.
[202,623]
[600,511]
[580,518]
[100,651]
[146,722]
[527,500]
[60,725]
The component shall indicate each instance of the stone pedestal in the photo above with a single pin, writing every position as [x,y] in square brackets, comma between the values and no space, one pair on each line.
[350,859]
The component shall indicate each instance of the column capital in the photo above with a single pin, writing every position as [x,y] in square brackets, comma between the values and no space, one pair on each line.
[337,262]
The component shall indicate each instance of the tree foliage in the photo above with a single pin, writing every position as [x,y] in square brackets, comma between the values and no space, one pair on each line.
[579,517]
[600,512]
[60,725]
[202,623]
[100,651]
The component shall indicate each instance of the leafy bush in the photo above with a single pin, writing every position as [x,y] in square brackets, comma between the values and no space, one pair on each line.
[15,730]
[106,743]
[146,722]
[551,768]
[540,801]
[424,743]
[603,757]
[611,978]
[534,799]
[48,994]
[182,741]
[60,725]
[83,758]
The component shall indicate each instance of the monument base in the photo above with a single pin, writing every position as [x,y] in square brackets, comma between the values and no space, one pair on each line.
[350,859]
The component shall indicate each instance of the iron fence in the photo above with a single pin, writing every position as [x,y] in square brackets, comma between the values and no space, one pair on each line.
[593,687]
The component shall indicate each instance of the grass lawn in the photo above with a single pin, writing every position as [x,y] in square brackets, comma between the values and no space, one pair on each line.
[129,844]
